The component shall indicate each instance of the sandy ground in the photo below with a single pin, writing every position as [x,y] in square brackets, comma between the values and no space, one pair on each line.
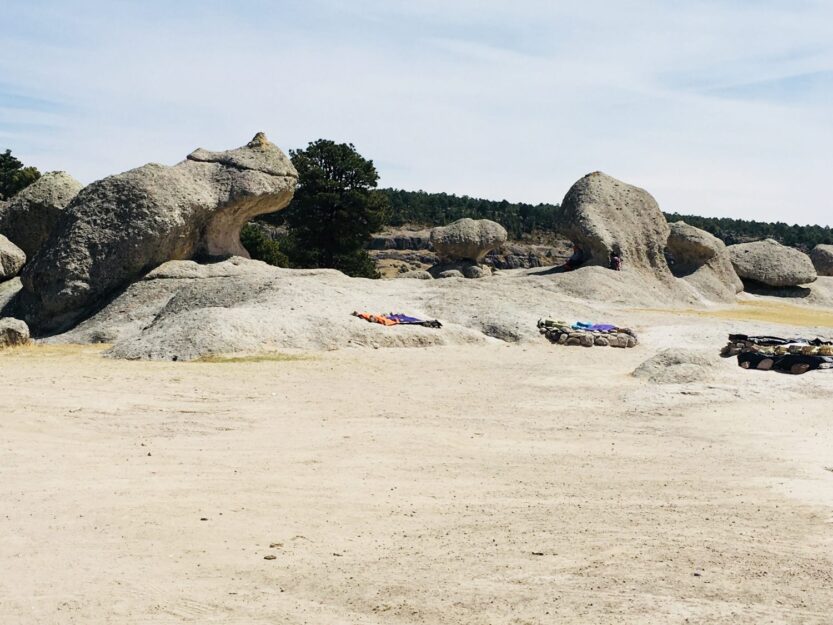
[492,484]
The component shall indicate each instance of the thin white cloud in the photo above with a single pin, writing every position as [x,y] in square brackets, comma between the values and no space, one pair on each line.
[488,98]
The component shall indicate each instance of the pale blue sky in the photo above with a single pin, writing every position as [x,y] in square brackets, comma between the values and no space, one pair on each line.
[718,107]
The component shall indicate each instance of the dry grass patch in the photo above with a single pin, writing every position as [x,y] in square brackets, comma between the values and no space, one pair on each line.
[50,350]
[264,357]
[768,311]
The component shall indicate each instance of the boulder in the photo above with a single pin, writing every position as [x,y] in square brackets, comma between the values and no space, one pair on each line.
[13,332]
[822,257]
[467,239]
[31,215]
[12,259]
[123,226]
[476,271]
[770,263]
[678,366]
[703,260]
[416,275]
[601,214]
[450,273]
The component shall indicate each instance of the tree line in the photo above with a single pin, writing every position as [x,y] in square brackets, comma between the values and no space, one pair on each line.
[337,208]
[732,231]
[439,209]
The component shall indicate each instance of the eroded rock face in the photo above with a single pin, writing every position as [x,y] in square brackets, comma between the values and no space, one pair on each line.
[822,257]
[31,215]
[123,226]
[770,263]
[467,239]
[12,259]
[13,332]
[601,215]
[703,260]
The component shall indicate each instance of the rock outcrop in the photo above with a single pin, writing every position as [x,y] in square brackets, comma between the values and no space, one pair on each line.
[123,226]
[772,264]
[13,332]
[601,214]
[12,259]
[703,260]
[678,366]
[401,240]
[467,239]
[822,257]
[31,215]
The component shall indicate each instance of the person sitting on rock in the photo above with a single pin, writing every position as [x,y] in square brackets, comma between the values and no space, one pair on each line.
[615,261]
[575,261]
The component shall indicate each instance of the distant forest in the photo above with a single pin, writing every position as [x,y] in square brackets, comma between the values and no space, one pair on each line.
[519,219]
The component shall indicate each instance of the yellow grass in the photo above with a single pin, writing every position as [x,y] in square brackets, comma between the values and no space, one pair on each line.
[768,311]
[48,350]
[264,357]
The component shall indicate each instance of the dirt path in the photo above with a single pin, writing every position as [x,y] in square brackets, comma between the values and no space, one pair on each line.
[489,485]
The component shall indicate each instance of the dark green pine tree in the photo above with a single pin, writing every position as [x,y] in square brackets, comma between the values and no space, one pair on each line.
[335,210]
[14,177]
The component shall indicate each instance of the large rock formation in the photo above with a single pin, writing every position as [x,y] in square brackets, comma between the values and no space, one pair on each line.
[31,215]
[822,257]
[467,239]
[13,332]
[702,259]
[12,259]
[601,215]
[121,227]
[770,263]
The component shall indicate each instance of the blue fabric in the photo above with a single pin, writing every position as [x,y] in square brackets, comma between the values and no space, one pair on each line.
[404,319]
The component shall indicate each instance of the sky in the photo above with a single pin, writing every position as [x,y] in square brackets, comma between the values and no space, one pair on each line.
[717,107]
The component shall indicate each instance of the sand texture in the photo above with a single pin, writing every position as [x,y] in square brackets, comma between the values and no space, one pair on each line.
[490,483]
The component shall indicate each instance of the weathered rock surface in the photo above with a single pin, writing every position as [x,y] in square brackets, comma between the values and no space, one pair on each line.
[13,332]
[450,273]
[401,240]
[601,214]
[467,239]
[31,215]
[702,259]
[770,263]
[678,366]
[12,259]
[416,275]
[186,310]
[822,257]
[120,227]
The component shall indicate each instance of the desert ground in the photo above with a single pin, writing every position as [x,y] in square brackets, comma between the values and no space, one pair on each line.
[493,483]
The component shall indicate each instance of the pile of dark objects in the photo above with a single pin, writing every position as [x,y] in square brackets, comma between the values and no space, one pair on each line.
[773,353]
[587,334]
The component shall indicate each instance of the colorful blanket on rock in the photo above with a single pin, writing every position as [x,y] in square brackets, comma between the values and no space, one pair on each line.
[396,319]
[586,333]
[787,355]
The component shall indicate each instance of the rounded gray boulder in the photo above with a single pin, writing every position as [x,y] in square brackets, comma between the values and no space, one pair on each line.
[13,332]
[822,257]
[703,260]
[12,259]
[770,263]
[31,215]
[468,239]
[601,214]
[121,227]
